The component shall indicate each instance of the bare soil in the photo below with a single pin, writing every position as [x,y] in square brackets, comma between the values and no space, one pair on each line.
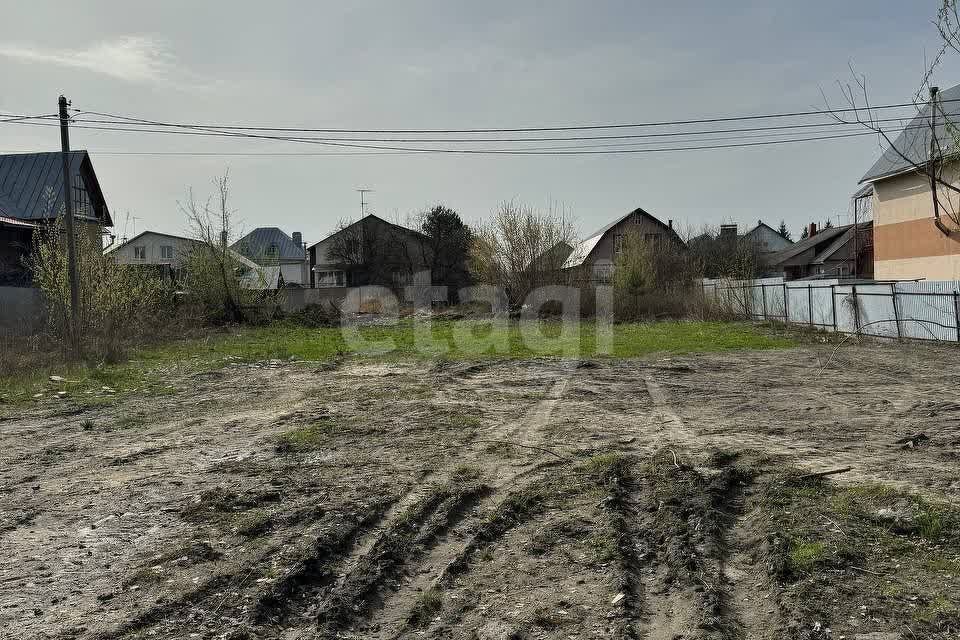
[659,498]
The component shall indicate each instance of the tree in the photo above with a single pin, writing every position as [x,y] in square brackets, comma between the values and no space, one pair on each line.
[212,268]
[522,248]
[447,242]
[828,224]
[784,231]
[805,233]
[932,138]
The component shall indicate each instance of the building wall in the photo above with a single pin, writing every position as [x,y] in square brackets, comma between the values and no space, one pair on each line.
[604,253]
[152,244]
[907,244]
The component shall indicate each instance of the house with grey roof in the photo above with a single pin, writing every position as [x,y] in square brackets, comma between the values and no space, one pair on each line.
[916,228]
[592,259]
[272,247]
[32,195]
[835,252]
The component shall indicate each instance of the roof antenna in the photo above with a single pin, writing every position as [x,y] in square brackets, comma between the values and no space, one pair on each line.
[363,204]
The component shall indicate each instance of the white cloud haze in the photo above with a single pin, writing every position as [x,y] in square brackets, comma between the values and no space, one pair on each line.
[130,58]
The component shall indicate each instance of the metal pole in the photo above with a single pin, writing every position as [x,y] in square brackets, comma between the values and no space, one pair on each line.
[856,310]
[956,312]
[810,303]
[896,312]
[763,291]
[833,306]
[71,237]
[786,305]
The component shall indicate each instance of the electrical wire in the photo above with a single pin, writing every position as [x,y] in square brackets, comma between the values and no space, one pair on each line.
[794,114]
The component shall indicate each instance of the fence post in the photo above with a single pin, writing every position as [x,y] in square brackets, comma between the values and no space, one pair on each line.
[856,310]
[956,312]
[833,307]
[786,305]
[763,291]
[896,312]
[810,304]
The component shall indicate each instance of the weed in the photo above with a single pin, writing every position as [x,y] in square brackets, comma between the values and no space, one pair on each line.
[427,605]
[307,438]
[87,425]
[254,524]
[804,556]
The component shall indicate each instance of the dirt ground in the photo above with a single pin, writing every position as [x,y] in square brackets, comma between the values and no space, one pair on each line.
[661,498]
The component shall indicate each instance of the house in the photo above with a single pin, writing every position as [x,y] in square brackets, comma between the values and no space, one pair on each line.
[912,237]
[835,252]
[766,239]
[169,254]
[31,197]
[154,248]
[370,251]
[271,247]
[592,259]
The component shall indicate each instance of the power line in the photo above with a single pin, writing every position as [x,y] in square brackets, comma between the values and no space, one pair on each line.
[793,114]
[400,151]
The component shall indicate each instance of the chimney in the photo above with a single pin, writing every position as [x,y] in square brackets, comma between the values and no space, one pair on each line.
[728,232]
[812,231]
[670,223]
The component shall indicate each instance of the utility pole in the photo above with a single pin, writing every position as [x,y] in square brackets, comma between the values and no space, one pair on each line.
[363,204]
[71,237]
[931,161]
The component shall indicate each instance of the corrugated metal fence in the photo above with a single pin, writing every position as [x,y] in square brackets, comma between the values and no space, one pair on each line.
[923,310]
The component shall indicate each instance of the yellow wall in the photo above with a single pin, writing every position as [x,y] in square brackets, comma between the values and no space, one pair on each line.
[907,243]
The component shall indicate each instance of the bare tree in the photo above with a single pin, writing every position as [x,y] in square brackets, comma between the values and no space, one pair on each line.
[522,248]
[931,139]
[213,268]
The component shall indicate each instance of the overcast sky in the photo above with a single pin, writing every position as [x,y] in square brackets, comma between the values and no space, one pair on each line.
[452,64]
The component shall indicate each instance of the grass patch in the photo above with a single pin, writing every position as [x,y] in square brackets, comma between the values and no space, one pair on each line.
[150,369]
[805,556]
[306,438]
[427,606]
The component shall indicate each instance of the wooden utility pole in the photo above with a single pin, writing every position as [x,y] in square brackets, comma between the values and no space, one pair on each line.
[71,237]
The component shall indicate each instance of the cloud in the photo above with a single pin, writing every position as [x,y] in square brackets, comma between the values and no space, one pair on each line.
[139,59]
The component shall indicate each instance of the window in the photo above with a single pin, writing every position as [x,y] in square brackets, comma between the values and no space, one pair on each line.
[618,243]
[327,279]
[166,252]
[139,253]
[81,200]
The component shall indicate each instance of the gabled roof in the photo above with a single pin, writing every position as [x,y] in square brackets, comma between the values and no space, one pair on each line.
[256,244]
[236,256]
[840,241]
[763,225]
[583,249]
[31,184]
[912,147]
[820,239]
[369,217]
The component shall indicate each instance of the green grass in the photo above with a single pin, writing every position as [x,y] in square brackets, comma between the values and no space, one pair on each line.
[804,556]
[306,438]
[150,369]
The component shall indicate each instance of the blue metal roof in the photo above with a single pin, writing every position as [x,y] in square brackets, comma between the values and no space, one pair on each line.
[31,185]
[256,245]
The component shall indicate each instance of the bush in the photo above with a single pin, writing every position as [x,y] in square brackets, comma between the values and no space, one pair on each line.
[653,280]
[118,303]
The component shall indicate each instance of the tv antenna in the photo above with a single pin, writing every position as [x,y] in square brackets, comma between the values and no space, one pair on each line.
[363,202]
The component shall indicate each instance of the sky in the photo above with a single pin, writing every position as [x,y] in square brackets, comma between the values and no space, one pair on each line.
[454,64]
